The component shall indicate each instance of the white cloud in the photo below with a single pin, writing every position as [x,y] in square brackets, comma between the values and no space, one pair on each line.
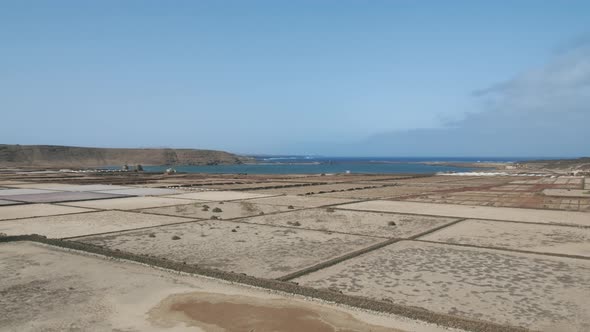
[541,112]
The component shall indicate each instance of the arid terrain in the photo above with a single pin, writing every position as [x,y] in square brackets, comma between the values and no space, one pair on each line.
[84,251]
[71,156]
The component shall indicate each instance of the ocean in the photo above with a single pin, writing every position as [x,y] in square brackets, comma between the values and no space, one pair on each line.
[328,165]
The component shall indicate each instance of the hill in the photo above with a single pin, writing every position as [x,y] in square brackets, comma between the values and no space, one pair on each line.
[69,156]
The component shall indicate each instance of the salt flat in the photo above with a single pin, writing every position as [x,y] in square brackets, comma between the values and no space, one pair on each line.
[462,266]
[482,212]
[567,192]
[301,201]
[6,202]
[219,195]
[15,192]
[222,210]
[141,191]
[565,240]
[354,222]
[129,203]
[385,192]
[62,196]
[70,187]
[42,287]
[540,292]
[257,250]
[35,210]
[84,223]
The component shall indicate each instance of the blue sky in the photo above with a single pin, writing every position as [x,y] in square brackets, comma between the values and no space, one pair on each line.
[387,78]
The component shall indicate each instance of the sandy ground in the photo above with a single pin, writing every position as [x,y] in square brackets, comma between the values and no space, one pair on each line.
[301,201]
[565,240]
[41,287]
[35,210]
[257,250]
[229,210]
[567,192]
[482,212]
[354,222]
[130,203]
[70,187]
[85,223]
[219,195]
[539,292]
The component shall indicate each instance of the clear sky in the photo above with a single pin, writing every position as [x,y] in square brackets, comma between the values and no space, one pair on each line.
[381,78]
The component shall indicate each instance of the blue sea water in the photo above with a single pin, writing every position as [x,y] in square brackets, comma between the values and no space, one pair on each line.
[318,165]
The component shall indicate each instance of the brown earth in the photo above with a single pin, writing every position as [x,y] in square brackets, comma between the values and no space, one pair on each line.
[213,312]
[70,156]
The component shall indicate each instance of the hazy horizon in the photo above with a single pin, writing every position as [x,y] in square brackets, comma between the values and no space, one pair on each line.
[331,78]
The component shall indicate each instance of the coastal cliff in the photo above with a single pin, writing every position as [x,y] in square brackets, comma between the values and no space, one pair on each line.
[69,156]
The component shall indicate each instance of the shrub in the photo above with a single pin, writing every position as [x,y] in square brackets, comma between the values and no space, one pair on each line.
[290,207]
[295,223]
[234,230]
[330,210]
[391,223]
[214,218]
[176,237]
[217,210]
[152,235]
